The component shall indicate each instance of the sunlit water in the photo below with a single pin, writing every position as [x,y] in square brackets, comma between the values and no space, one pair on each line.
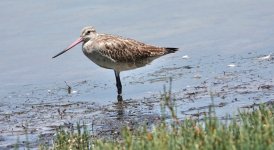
[213,34]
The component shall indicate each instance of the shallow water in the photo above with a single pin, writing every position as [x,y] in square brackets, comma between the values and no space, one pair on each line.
[225,42]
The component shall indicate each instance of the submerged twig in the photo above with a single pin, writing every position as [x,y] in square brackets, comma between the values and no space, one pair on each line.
[69,88]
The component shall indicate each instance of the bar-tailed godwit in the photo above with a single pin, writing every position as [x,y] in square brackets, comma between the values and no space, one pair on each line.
[116,52]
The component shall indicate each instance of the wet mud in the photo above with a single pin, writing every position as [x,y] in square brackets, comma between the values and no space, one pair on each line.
[226,83]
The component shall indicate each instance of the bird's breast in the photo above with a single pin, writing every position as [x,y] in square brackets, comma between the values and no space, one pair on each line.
[87,47]
[94,54]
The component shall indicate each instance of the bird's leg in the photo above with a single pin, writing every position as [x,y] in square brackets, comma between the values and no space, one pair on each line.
[118,85]
[118,82]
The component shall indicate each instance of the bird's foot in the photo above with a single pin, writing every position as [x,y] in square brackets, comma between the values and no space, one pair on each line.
[119,98]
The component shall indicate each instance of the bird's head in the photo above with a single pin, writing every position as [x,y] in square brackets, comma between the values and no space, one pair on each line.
[87,34]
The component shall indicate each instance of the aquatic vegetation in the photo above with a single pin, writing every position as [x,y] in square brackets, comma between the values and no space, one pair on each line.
[248,130]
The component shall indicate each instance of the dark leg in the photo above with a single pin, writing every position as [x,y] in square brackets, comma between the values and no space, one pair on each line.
[118,85]
[118,82]
[119,98]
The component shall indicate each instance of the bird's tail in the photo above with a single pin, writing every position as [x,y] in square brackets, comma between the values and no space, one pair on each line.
[171,50]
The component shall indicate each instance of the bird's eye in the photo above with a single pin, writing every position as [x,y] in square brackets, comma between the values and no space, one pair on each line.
[88,32]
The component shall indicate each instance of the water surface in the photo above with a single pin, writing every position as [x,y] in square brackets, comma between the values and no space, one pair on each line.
[214,34]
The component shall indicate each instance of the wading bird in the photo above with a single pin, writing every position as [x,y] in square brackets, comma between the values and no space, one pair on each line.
[117,53]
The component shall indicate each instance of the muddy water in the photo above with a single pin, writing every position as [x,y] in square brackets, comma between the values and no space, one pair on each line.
[225,53]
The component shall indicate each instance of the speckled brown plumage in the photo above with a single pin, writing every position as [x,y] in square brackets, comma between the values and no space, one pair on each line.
[124,50]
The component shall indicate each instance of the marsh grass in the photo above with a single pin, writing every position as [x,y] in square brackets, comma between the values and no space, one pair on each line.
[248,130]
[79,139]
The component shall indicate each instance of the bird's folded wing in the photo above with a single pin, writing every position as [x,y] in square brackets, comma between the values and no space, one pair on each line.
[124,50]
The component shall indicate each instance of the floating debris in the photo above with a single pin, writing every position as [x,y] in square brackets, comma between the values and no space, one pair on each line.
[197,76]
[268,57]
[73,92]
[231,65]
[185,57]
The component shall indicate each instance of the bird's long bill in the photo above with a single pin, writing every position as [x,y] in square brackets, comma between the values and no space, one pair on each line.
[79,40]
